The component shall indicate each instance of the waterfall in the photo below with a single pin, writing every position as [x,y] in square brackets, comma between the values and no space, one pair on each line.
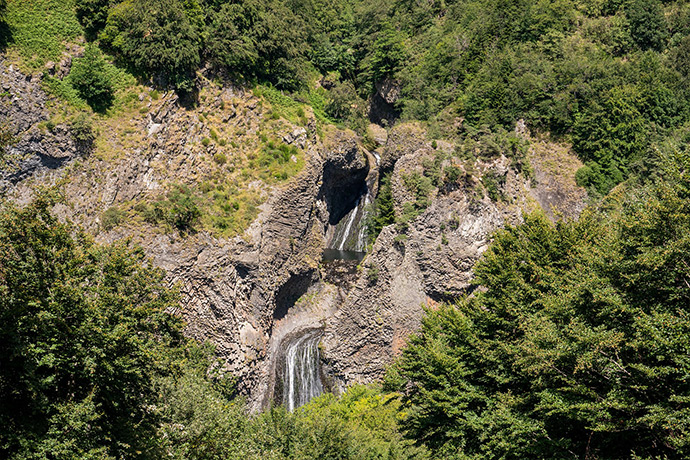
[302,372]
[350,234]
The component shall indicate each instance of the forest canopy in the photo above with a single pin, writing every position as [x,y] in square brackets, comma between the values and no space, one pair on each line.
[577,345]
[610,75]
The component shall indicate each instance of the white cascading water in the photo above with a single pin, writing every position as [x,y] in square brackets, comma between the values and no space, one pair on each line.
[350,233]
[302,373]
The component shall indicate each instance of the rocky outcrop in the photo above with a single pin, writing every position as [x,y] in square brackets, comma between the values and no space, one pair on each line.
[38,148]
[250,293]
[431,260]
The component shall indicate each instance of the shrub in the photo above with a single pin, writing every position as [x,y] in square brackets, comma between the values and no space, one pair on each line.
[89,78]
[205,141]
[451,174]
[179,209]
[82,129]
[7,138]
[93,14]
[112,217]
[493,184]
[220,158]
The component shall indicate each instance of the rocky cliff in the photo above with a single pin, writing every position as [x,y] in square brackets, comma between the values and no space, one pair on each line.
[251,292]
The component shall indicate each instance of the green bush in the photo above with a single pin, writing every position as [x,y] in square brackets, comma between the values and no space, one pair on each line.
[7,138]
[91,80]
[493,184]
[112,217]
[220,158]
[93,14]
[82,129]
[180,209]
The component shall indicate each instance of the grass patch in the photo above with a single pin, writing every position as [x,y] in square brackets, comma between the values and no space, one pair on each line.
[40,29]
[277,162]
[228,211]
[292,108]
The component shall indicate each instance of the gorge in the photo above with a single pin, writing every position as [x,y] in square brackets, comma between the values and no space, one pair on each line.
[248,293]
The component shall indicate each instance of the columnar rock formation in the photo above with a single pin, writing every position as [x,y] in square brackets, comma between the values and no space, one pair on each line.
[249,294]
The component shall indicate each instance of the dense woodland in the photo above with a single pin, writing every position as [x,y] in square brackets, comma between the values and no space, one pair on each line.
[610,75]
[575,347]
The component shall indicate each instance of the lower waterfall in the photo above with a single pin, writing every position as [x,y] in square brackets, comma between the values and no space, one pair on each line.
[302,370]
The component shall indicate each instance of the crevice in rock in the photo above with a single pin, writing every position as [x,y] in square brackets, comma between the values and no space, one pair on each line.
[341,190]
[295,287]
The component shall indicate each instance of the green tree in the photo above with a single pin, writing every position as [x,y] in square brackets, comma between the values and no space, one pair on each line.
[157,38]
[575,348]
[90,78]
[265,40]
[93,15]
[388,53]
[648,26]
[85,335]
[612,136]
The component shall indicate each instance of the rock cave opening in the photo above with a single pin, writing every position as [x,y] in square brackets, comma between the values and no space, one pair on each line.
[294,288]
[349,200]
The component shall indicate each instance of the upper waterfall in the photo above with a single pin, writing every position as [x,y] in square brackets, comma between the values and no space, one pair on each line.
[350,234]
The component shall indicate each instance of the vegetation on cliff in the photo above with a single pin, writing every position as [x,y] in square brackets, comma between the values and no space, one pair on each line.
[609,75]
[576,347]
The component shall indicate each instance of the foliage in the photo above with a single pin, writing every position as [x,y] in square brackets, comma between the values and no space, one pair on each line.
[140,32]
[278,161]
[610,137]
[93,15]
[388,53]
[180,209]
[82,129]
[260,39]
[421,187]
[90,78]
[39,29]
[7,137]
[647,24]
[201,423]
[344,103]
[575,347]
[112,217]
[85,335]
[383,213]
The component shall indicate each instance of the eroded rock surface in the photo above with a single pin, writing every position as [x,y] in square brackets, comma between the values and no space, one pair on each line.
[248,293]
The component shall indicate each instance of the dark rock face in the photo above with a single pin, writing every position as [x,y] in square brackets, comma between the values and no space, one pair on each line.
[22,108]
[382,103]
[344,177]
